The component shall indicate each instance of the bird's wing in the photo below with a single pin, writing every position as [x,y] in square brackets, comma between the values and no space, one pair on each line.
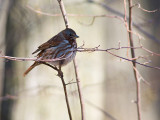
[54,41]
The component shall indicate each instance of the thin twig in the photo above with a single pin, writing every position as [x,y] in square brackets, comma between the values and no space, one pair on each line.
[141,78]
[61,4]
[43,13]
[138,96]
[133,61]
[75,15]
[139,6]
[75,67]
[108,51]
[118,16]
[66,97]
[153,53]
[86,50]
[32,59]
[79,90]
[115,12]
[60,74]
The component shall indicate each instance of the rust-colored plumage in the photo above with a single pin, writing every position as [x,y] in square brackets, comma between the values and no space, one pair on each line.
[60,46]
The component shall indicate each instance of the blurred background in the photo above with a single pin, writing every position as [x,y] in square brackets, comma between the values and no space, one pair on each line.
[108,83]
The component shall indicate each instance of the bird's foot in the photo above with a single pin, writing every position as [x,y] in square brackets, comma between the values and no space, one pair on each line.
[60,73]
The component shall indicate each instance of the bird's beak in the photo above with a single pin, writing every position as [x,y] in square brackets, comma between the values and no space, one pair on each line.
[76,36]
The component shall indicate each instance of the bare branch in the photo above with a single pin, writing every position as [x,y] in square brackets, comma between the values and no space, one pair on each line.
[153,53]
[133,61]
[141,78]
[81,49]
[108,8]
[79,90]
[138,96]
[139,6]
[61,4]
[60,74]
[32,59]
[75,15]
[75,66]
[43,13]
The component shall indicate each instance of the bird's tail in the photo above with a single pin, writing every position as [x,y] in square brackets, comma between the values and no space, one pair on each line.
[30,68]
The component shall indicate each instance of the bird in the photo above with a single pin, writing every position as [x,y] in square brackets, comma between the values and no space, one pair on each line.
[61,47]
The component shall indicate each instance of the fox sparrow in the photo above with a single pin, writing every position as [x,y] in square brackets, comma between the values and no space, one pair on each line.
[61,46]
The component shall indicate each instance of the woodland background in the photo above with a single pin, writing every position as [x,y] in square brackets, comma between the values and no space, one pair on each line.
[108,83]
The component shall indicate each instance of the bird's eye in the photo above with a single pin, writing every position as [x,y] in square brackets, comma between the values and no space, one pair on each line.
[70,34]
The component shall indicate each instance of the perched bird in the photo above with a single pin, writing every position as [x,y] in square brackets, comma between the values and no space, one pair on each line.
[61,46]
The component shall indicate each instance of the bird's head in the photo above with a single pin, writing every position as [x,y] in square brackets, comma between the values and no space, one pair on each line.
[70,34]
